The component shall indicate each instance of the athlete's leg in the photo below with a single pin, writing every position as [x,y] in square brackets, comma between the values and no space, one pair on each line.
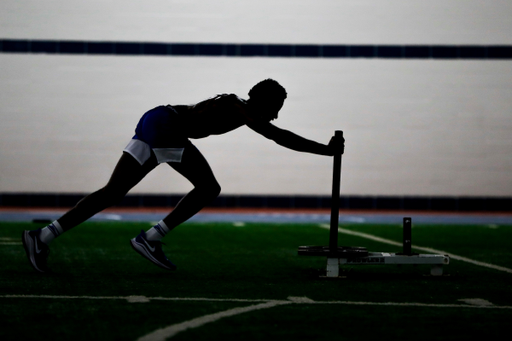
[196,169]
[126,175]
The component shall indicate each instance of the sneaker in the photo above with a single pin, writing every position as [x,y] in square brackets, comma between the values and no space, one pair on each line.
[37,251]
[151,250]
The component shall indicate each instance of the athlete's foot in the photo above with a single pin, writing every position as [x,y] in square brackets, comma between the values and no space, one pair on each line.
[151,250]
[37,251]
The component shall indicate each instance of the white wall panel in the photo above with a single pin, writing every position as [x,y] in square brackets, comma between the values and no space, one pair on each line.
[413,127]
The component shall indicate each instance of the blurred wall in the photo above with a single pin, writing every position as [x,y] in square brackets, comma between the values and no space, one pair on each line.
[413,126]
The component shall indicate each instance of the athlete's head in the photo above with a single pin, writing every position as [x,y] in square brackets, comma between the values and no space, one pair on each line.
[266,98]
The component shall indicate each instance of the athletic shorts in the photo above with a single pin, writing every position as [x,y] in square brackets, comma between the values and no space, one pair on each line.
[158,132]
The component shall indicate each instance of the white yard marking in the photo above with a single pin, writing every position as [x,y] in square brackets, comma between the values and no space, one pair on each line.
[10,241]
[477,301]
[421,248]
[239,224]
[301,300]
[137,299]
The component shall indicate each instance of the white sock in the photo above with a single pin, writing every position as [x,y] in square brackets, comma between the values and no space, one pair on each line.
[50,232]
[157,232]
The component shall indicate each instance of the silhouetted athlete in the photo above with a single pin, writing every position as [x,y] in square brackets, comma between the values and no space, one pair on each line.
[162,136]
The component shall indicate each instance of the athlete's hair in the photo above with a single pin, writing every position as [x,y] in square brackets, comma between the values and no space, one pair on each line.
[268,90]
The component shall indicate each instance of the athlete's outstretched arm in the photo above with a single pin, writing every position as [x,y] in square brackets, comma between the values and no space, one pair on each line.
[295,142]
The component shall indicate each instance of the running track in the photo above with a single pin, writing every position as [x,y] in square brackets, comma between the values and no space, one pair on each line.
[268,216]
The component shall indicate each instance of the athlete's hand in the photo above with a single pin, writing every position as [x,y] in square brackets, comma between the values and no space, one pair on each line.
[336,145]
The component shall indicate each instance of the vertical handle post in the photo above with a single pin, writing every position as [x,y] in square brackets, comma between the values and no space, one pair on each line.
[335,198]
[407,240]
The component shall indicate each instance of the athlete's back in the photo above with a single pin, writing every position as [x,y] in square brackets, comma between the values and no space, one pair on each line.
[213,116]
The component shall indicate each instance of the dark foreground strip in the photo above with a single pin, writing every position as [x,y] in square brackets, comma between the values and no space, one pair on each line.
[256,50]
[422,203]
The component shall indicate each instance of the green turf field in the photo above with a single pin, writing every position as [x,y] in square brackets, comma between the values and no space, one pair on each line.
[247,282]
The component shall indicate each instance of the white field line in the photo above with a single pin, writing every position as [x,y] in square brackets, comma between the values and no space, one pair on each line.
[140,298]
[421,248]
[294,300]
[170,331]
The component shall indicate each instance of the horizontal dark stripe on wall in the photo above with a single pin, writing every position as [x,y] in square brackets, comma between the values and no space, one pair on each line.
[256,50]
[421,203]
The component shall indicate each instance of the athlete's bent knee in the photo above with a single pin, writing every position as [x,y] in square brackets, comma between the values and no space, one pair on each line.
[211,190]
[216,189]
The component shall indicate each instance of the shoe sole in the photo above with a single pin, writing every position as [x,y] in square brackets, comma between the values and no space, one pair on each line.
[28,244]
[141,250]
